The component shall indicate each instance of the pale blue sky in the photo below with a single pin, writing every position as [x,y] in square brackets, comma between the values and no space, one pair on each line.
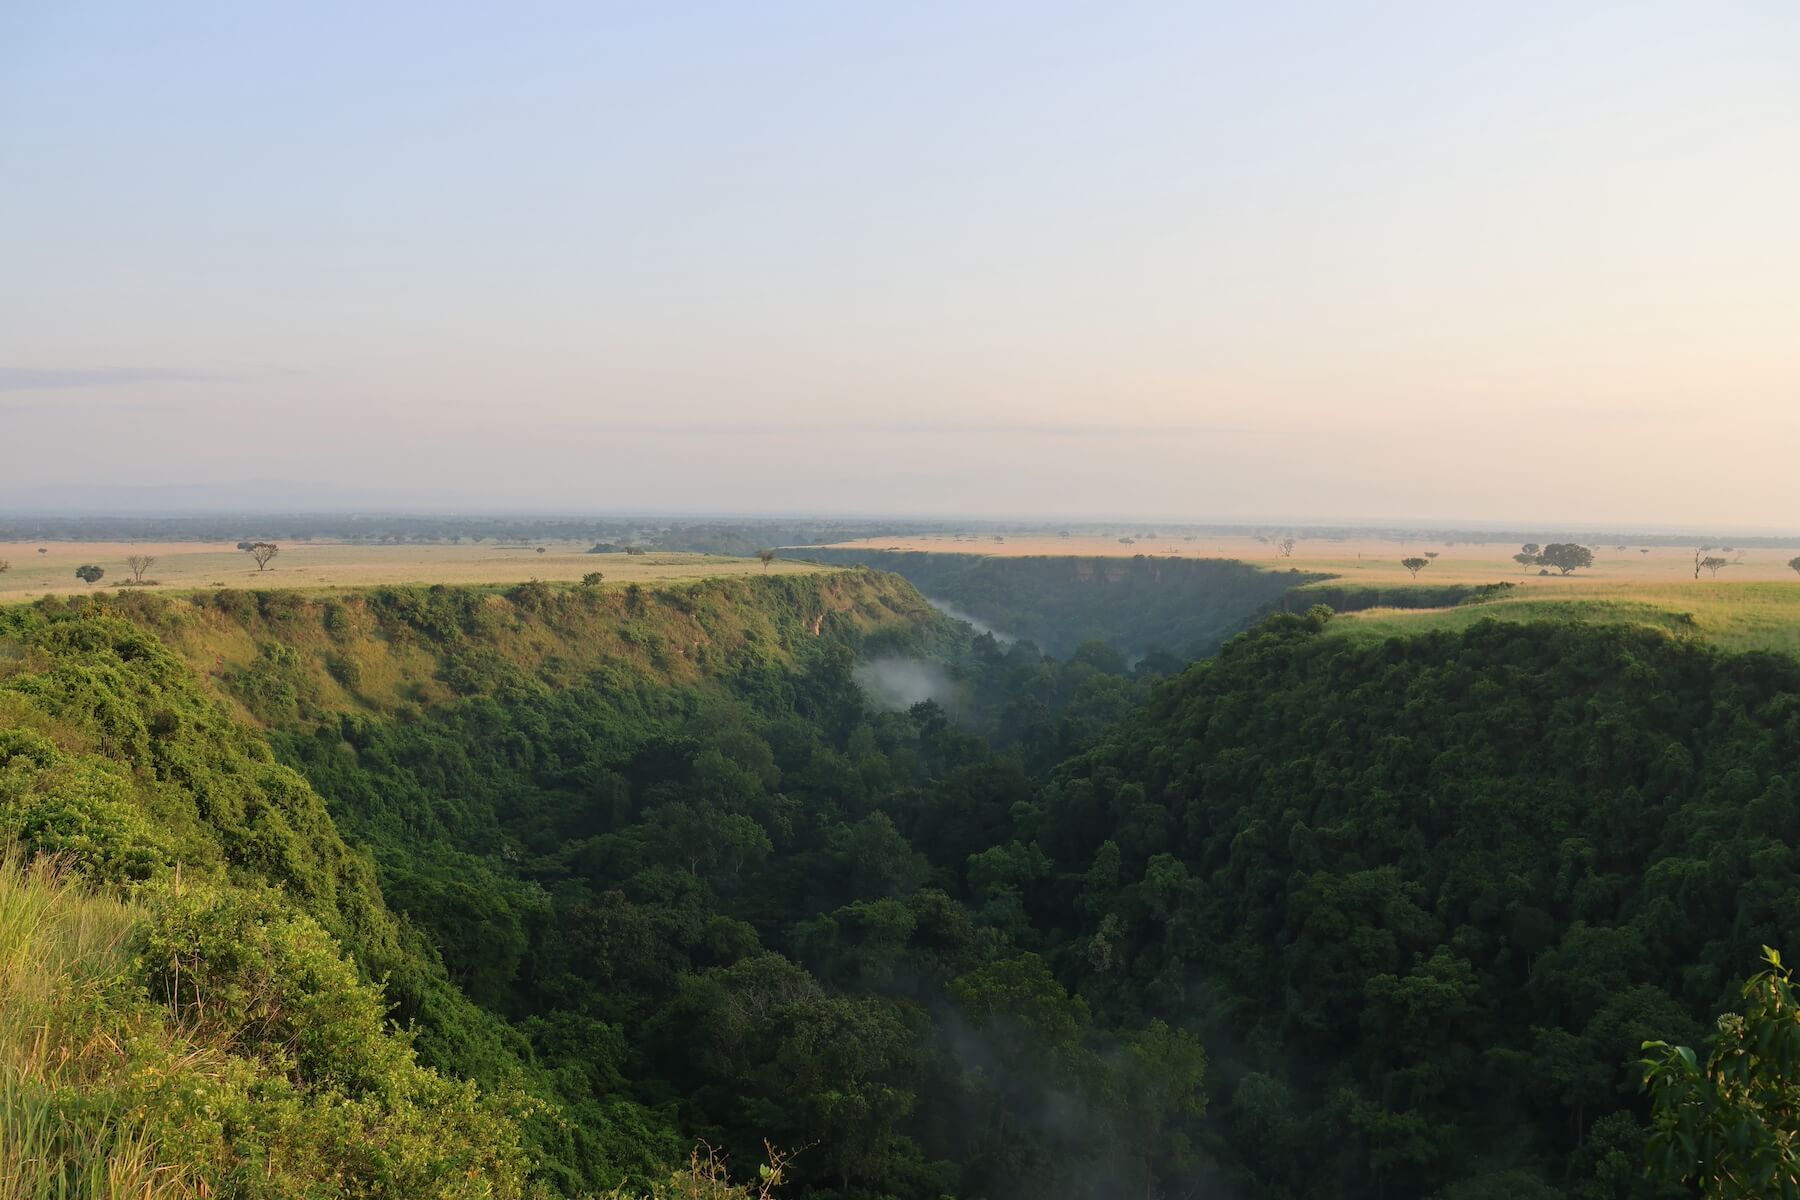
[1529,261]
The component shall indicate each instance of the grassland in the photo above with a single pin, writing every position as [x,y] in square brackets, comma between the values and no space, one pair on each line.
[182,566]
[1733,616]
[1752,604]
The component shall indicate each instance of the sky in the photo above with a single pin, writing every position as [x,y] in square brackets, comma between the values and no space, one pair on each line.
[1520,262]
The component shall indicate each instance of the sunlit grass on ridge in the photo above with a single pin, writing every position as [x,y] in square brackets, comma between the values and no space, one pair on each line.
[1732,616]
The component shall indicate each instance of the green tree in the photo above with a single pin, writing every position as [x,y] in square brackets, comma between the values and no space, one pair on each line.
[765,556]
[1732,1125]
[89,574]
[1795,564]
[1415,565]
[592,579]
[1567,557]
[1164,1084]
[262,552]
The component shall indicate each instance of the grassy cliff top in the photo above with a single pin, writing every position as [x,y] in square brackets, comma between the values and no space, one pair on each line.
[328,566]
[1732,616]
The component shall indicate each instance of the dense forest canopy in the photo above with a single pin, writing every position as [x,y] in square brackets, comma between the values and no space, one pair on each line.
[1318,917]
[1426,898]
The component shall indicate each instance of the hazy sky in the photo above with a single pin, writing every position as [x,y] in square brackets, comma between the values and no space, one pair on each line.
[1521,261]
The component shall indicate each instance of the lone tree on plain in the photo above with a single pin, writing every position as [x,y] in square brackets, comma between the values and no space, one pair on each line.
[139,563]
[1713,562]
[591,579]
[1415,565]
[4,566]
[1285,547]
[262,552]
[1526,560]
[765,556]
[1566,556]
[89,574]
[1431,554]
[1792,562]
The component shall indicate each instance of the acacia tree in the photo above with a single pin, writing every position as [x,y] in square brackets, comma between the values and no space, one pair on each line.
[1415,565]
[1526,560]
[1566,556]
[1713,563]
[139,563]
[592,579]
[1285,547]
[765,556]
[1795,564]
[1732,1126]
[262,552]
[1531,548]
[89,574]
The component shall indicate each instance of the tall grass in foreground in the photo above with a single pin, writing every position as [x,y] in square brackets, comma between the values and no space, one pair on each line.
[64,953]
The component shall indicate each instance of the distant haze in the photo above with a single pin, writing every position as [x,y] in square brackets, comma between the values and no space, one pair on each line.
[1523,262]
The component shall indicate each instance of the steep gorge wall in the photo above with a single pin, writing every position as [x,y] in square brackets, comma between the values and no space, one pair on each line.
[288,657]
[1184,606]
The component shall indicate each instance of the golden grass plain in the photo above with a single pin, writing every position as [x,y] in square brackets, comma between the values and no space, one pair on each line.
[186,566]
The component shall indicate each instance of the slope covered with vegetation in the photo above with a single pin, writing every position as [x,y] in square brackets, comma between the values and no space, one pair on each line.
[638,864]
[204,1040]
[665,837]
[177,1016]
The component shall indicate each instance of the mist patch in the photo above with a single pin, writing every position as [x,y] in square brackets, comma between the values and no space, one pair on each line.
[896,684]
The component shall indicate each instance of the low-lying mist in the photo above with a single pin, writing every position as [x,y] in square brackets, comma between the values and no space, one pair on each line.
[899,683]
[957,614]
